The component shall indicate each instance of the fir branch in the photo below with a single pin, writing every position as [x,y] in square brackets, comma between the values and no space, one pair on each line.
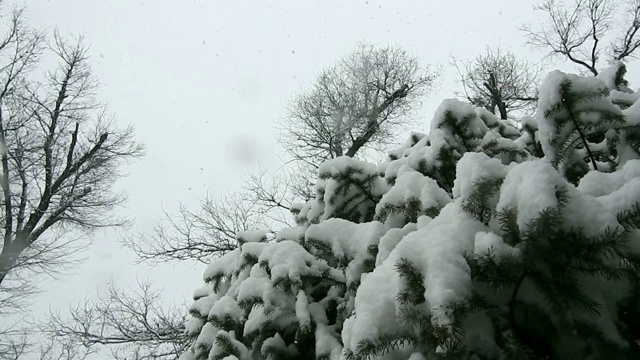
[508,220]
[413,289]
[479,202]
[630,218]
[248,261]
[369,348]
[411,209]
[228,345]
[249,303]
[583,137]
[226,323]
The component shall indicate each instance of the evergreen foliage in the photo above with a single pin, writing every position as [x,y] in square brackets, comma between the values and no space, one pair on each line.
[484,239]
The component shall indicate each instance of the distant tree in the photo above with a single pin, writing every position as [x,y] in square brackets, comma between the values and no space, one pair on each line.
[588,33]
[16,342]
[499,82]
[55,348]
[132,324]
[360,102]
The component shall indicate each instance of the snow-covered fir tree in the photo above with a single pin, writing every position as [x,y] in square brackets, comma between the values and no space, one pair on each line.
[483,239]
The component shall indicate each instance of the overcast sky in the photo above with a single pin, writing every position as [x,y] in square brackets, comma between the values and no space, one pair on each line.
[204,81]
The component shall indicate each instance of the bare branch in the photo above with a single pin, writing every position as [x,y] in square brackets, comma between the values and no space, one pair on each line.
[14,342]
[129,324]
[579,32]
[264,202]
[626,45]
[198,235]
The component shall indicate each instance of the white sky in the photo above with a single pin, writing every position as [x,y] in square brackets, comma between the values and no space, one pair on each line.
[204,81]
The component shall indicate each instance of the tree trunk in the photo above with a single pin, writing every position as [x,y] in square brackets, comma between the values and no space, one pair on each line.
[7,261]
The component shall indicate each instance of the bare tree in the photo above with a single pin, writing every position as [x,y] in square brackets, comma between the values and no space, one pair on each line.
[18,342]
[588,31]
[133,325]
[499,82]
[274,193]
[360,102]
[14,342]
[14,336]
[61,153]
[57,348]
[263,202]
[198,235]
[20,49]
